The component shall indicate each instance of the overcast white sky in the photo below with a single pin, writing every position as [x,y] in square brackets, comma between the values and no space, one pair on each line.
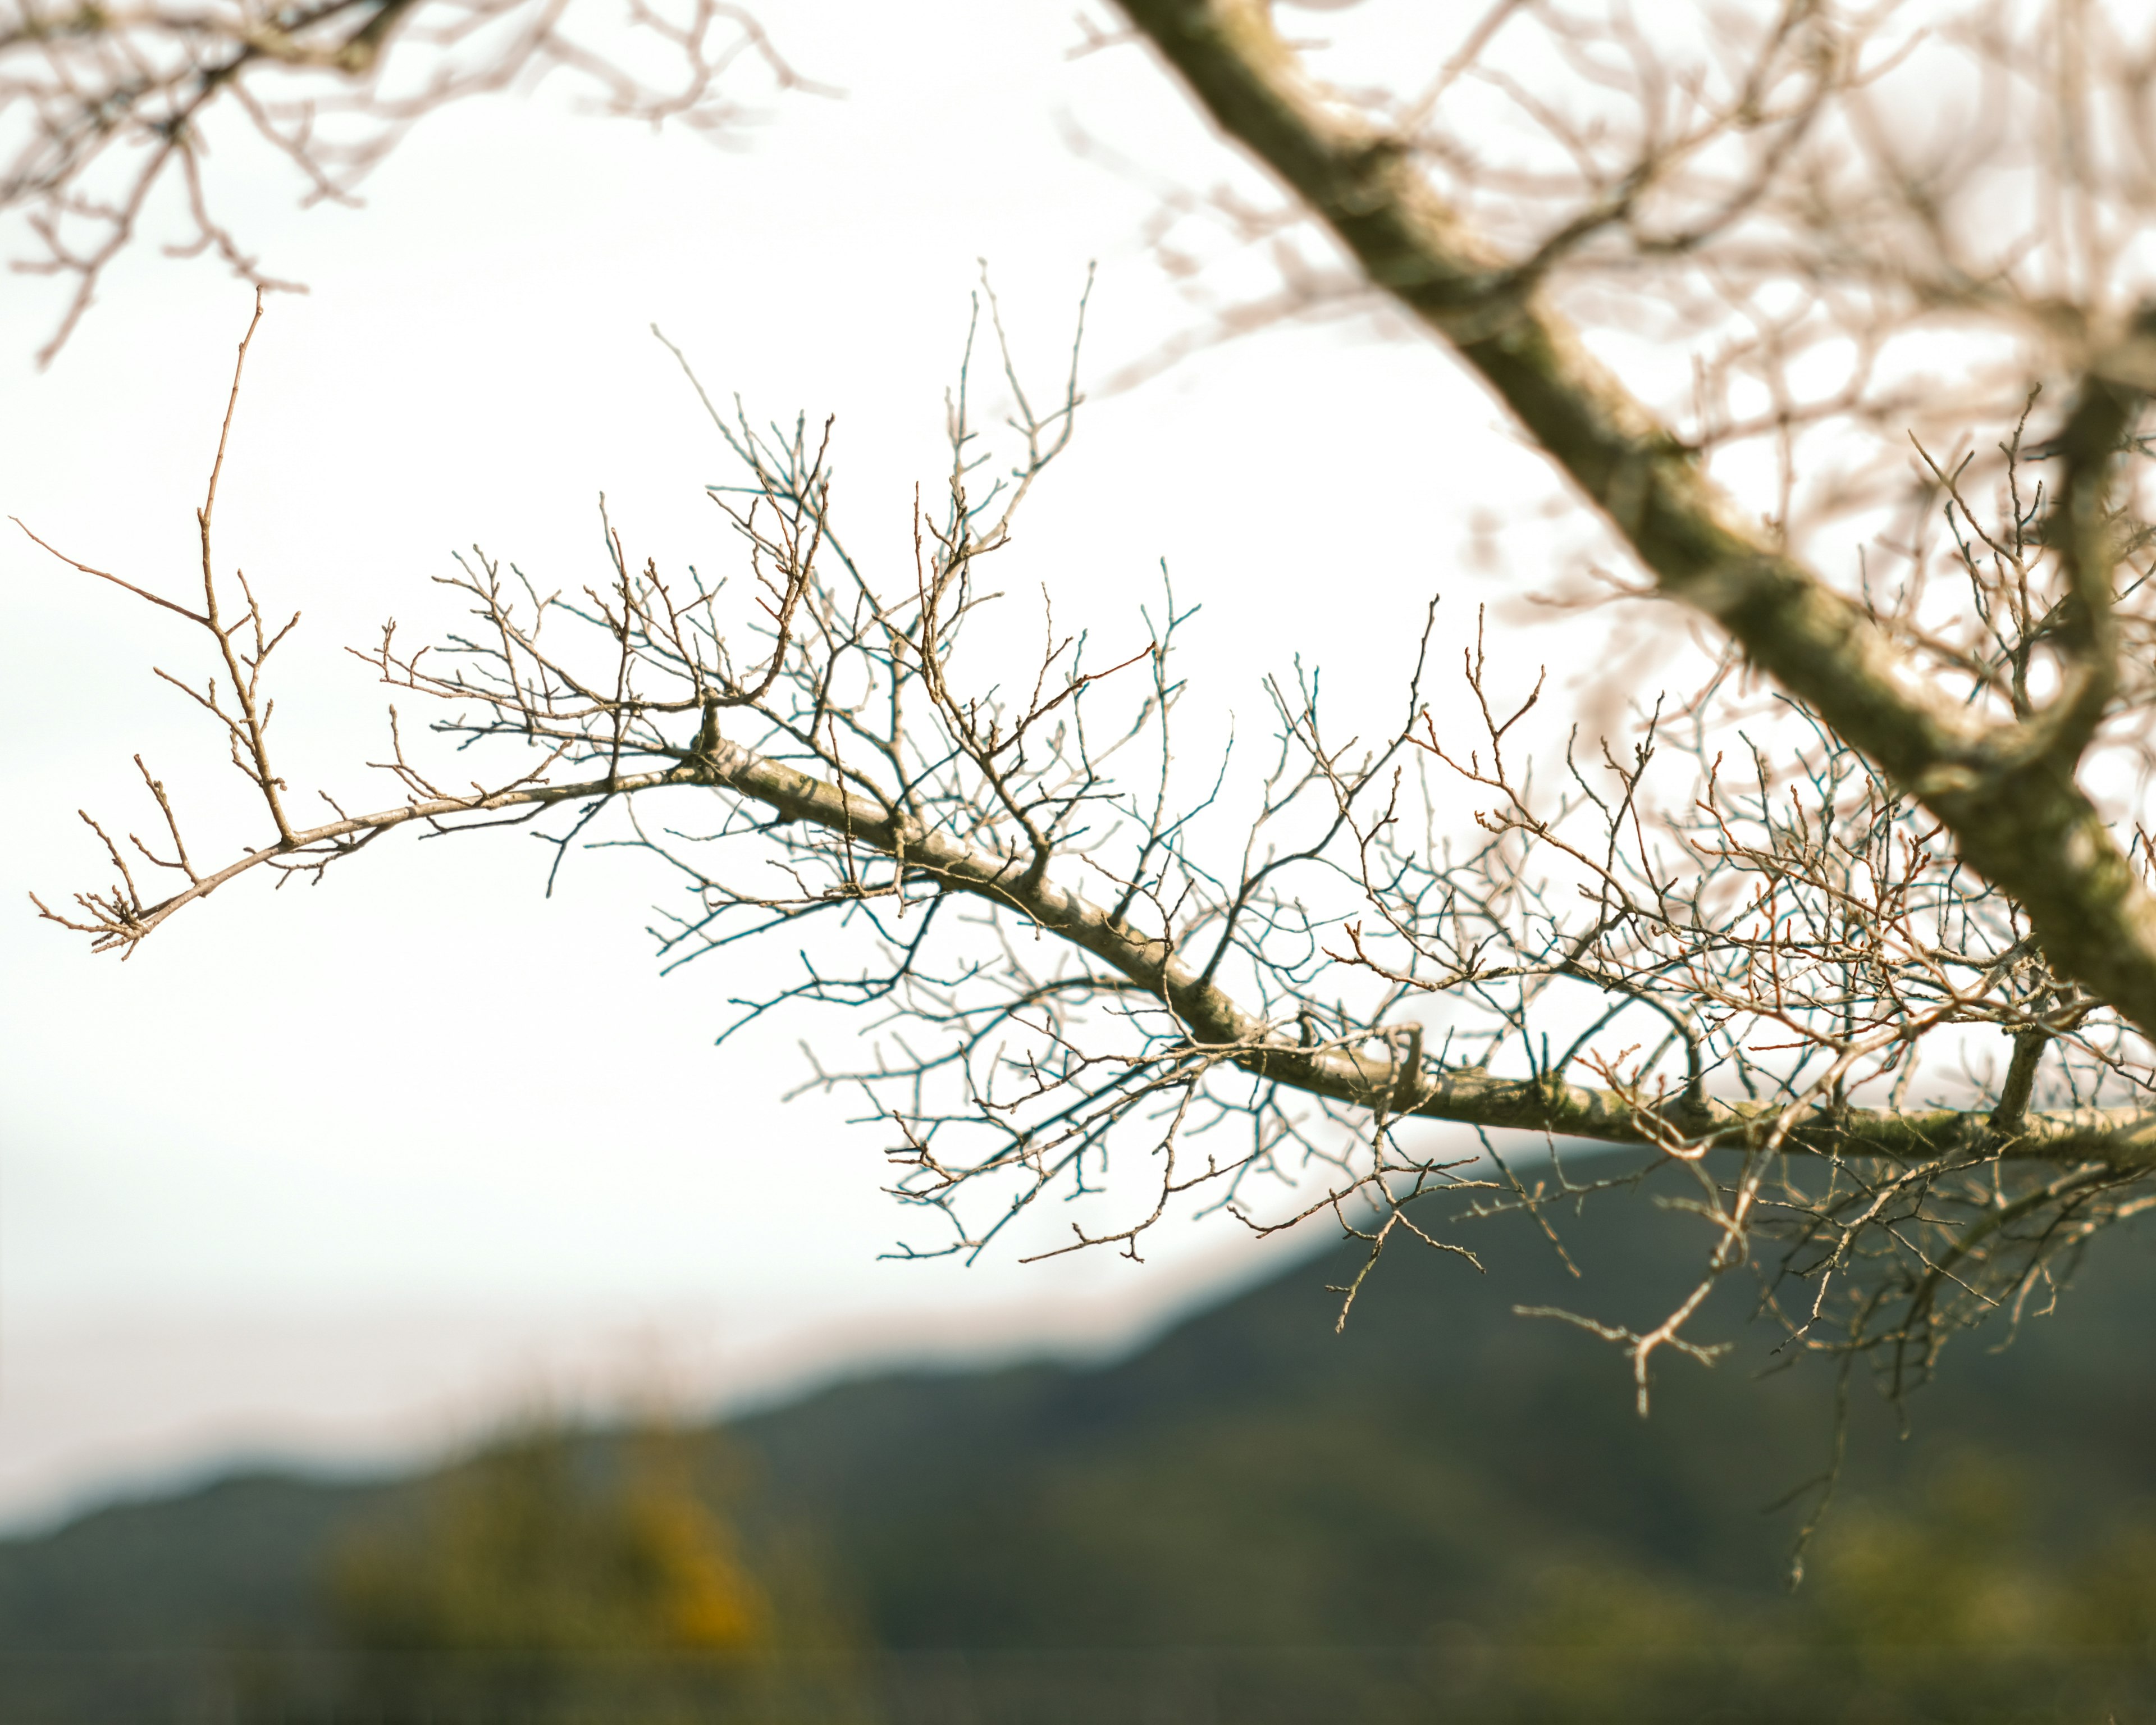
[340,1171]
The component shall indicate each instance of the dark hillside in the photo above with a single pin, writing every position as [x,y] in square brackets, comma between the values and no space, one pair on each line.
[1253,1476]
[1443,1475]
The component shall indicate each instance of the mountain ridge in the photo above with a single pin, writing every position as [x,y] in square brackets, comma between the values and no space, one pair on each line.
[1251,1479]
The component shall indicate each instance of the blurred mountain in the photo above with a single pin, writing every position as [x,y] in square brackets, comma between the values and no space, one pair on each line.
[1446,1510]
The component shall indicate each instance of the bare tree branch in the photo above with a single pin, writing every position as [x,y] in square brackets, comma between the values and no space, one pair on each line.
[101,105]
[2007,792]
[1846,955]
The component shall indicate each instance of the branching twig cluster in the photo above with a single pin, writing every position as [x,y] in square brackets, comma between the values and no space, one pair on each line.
[1731,944]
[1850,948]
[102,106]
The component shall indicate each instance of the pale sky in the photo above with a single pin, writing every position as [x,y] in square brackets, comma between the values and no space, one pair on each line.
[346,1171]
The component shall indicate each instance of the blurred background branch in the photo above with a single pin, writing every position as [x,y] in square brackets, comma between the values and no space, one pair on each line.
[102,108]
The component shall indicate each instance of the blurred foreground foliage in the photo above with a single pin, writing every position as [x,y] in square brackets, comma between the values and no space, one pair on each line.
[516,1548]
[559,1576]
[556,1572]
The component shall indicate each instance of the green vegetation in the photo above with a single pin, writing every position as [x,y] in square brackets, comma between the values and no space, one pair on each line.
[552,1576]
[511,1551]
[1446,1513]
